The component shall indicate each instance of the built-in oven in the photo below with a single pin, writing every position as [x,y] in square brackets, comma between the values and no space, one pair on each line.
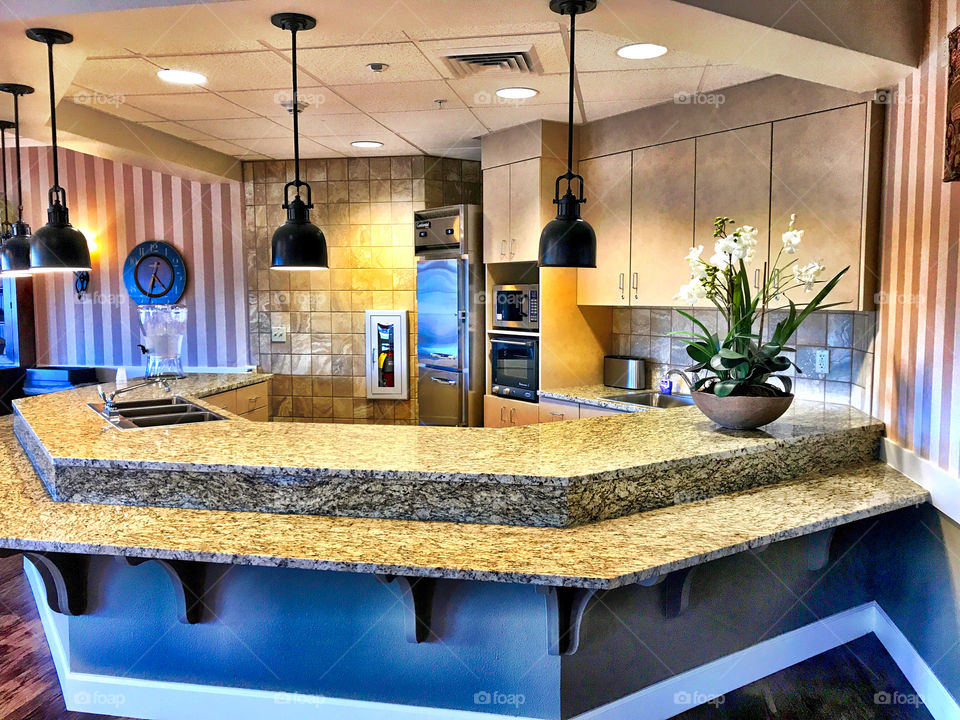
[514,366]
[516,307]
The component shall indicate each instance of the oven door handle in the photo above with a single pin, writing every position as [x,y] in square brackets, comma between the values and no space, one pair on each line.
[512,342]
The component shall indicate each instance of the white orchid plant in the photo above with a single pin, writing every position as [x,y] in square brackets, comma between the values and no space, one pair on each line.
[742,363]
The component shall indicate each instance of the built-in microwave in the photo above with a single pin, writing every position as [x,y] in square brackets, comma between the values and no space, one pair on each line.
[516,307]
[514,366]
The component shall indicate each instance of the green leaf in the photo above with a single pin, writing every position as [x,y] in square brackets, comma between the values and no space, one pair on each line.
[699,353]
[770,349]
[787,382]
[730,358]
[725,387]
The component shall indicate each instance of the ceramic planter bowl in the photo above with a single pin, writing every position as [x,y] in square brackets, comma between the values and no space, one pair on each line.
[741,412]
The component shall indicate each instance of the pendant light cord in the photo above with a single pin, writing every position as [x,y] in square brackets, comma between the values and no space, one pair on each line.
[6,198]
[53,127]
[16,139]
[296,113]
[573,40]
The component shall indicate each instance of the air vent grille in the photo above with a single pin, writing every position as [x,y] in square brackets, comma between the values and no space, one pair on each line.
[473,61]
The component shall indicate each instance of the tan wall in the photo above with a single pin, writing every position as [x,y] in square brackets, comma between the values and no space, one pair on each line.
[365,208]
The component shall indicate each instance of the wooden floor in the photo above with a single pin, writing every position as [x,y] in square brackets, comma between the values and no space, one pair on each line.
[28,681]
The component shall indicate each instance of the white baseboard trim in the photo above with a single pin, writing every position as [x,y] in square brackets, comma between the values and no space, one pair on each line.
[944,488]
[159,700]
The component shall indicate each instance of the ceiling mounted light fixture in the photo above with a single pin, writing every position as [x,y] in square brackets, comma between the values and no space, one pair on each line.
[568,240]
[15,251]
[367,143]
[641,51]
[181,77]
[57,246]
[298,244]
[517,93]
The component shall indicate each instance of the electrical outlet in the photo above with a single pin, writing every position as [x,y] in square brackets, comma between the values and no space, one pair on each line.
[278,334]
[822,362]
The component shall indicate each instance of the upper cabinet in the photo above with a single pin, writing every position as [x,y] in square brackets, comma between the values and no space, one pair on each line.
[649,206]
[606,182]
[819,175]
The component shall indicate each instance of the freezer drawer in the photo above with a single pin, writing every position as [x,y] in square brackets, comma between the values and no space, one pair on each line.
[441,397]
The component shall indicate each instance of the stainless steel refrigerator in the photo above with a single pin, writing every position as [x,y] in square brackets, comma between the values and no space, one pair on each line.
[450,315]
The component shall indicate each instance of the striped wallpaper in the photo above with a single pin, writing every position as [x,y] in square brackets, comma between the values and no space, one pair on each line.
[917,388]
[118,206]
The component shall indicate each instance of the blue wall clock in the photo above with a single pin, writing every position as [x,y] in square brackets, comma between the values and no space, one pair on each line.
[154,273]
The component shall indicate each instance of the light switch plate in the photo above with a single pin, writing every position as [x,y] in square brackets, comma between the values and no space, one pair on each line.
[822,362]
[278,334]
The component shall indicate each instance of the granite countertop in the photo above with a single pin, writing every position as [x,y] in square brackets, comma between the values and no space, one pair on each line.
[555,474]
[197,385]
[601,555]
[595,395]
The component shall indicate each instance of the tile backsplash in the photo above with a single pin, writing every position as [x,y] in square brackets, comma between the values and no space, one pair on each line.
[365,207]
[847,336]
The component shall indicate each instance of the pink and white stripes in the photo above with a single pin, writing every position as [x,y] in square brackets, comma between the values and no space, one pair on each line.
[118,206]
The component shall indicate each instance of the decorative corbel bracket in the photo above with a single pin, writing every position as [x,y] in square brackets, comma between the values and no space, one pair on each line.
[64,577]
[188,580]
[565,609]
[818,549]
[676,592]
[417,596]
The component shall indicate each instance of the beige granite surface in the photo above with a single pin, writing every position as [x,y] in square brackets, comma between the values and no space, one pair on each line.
[198,385]
[601,555]
[597,396]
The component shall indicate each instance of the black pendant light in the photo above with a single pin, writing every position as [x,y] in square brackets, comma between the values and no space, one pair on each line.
[15,251]
[298,244]
[568,240]
[57,246]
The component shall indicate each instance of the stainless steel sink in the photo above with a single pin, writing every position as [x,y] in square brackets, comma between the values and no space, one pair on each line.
[652,399]
[163,412]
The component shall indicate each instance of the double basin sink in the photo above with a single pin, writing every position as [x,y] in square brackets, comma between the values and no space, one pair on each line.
[652,399]
[163,412]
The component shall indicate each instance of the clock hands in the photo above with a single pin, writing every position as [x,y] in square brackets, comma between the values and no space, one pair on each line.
[154,280]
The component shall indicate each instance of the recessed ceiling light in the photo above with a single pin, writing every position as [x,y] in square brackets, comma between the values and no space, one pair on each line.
[367,143]
[181,77]
[517,93]
[641,51]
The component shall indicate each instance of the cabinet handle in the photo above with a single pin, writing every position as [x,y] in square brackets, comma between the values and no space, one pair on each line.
[756,278]
[620,286]
[556,413]
[513,245]
[503,248]
[512,413]
[636,286]
[502,408]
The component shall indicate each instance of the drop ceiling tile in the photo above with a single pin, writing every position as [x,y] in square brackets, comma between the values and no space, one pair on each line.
[452,26]
[505,116]
[480,90]
[239,128]
[458,122]
[121,109]
[597,52]
[234,71]
[222,146]
[722,76]
[178,130]
[348,65]
[282,148]
[126,76]
[443,140]
[190,106]
[392,145]
[349,124]
[398,96]
[267,102]
[547,50]
[640,85]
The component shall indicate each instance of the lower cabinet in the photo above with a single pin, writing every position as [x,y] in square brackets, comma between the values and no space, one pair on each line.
[504,412]
[251,402]
[556,410]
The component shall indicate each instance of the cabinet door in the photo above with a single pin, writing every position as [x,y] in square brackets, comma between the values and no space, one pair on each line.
[496,213]
[226,400]
[494,412]
[525,204]
[519,413]
[258,415]
[606,183]
[663,202]
[557,410]
[733,180]
[818,165]
[253,397]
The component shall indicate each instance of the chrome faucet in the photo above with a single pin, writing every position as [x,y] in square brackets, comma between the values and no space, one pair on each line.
[110,401]
[686,378]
